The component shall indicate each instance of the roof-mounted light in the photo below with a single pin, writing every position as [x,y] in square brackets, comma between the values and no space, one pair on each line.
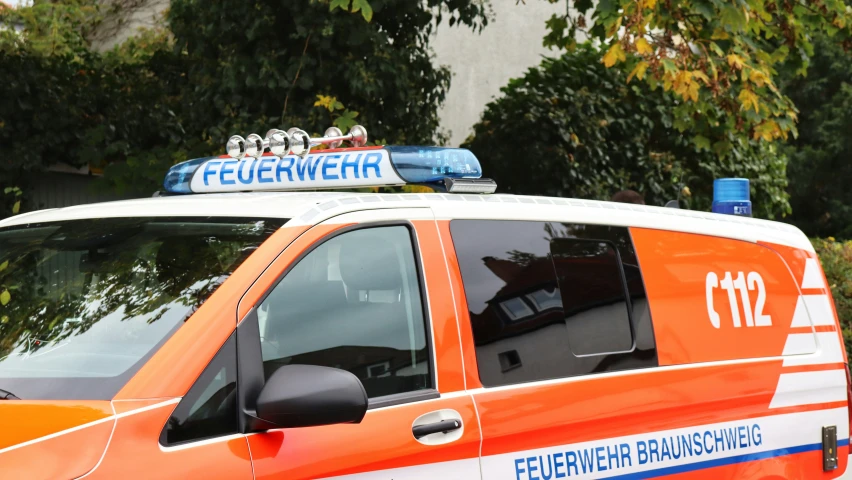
[290,164]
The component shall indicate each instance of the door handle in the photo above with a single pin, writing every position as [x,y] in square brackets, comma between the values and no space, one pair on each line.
[443,426]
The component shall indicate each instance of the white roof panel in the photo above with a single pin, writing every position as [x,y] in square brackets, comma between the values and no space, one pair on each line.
[307,208]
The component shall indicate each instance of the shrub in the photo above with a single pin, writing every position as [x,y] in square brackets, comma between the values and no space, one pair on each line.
[572,127]
[836,259]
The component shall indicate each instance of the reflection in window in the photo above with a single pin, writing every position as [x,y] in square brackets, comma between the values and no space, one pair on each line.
[548,300]
[352,303]
[92,299]
[516,309]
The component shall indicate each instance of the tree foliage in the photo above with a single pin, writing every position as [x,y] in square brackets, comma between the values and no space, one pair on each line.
[720,57]
[819,167]
[215,69]
[574,128]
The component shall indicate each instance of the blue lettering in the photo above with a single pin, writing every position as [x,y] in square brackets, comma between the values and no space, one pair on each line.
[531,468]
[261,169]
[372,160]
[226,171]
[665,450]
[549,464]
[519,469]
[743,437]
[209,171]
[587,460]
[281,168]
[311,168]
[756,437]
[707,449]
[571,461]
[558,463]
[350,164]
[696,440]
[730,438]
[625,455]
[329,164]
[641,452]
[685,446]
[612,455]
[653,450]
[675,442]
[600,457]
[251,171]
[720,440]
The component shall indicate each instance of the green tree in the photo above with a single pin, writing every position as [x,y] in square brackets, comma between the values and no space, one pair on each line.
[215,69]
[574,128]
[719,56]
[819,166]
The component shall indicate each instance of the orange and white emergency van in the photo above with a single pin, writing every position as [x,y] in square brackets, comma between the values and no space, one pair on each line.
[235,328]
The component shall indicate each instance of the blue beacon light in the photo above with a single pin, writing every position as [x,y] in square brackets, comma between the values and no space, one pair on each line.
[731,196]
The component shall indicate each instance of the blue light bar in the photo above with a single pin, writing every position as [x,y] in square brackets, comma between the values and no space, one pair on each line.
[322,169]
[731,196]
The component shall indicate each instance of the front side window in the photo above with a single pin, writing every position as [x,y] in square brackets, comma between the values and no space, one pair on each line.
[86,302]
[353,303]
[550,300]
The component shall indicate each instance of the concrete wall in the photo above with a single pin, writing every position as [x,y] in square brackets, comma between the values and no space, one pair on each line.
[483,63]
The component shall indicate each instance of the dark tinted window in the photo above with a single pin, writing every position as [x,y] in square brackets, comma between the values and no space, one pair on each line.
[87,302]
[352,303]
[549,300]
[594,298]
[209,409]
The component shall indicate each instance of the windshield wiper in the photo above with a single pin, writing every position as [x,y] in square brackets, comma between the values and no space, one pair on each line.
[7,395]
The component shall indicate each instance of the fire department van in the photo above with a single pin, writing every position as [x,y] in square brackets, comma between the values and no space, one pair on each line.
[236,328]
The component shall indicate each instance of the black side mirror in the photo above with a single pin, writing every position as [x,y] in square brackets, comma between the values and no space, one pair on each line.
[308,396]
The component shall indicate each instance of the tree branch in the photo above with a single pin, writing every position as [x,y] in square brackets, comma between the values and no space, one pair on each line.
[296,78]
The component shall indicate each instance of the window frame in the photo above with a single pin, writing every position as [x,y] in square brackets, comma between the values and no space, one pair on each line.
[250,376]
[625,291]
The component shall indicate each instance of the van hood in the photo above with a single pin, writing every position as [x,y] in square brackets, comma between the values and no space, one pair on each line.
[53,439]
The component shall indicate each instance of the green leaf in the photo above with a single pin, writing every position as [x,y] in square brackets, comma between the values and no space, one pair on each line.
[342,4]
[346,120]
[364,7]
[4,265]
[16,207]
[701,142]
[5,297]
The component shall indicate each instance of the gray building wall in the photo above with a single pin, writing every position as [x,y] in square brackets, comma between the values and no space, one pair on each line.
[483,63]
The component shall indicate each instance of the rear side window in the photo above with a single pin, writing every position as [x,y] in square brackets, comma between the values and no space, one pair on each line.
[550,300]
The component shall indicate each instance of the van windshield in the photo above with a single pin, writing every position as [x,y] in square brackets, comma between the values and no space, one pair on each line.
[84,303]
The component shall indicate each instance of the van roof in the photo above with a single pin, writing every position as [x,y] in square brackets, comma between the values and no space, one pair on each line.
[306,208]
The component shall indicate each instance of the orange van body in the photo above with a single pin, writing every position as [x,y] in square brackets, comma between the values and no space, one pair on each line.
[748,349]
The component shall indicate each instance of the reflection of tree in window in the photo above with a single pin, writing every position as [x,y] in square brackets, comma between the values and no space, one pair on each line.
[100,294]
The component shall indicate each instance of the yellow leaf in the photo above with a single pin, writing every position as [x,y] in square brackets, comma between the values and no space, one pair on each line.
[719,35]
[638,71]
[701,76]
[758,78]
[748,100]
[614,55]
[692,92]
[735,61]
[5,297]
[643,47]
[649,3]
[768,130]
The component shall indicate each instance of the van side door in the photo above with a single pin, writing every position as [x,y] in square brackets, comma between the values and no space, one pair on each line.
[365,292]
